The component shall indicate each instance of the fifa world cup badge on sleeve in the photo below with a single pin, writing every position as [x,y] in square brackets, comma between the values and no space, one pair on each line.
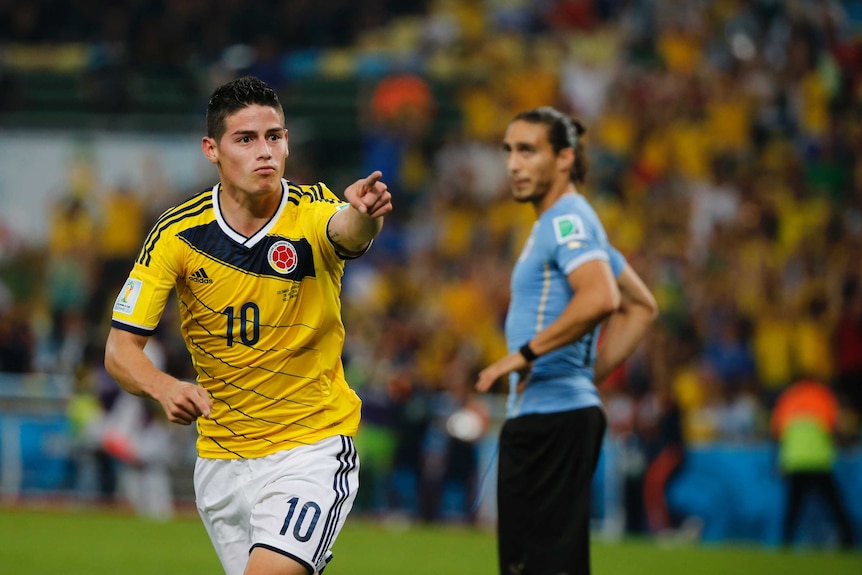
[568,227]
[128,296]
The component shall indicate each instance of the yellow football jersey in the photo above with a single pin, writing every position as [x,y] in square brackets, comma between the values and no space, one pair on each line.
[261,317]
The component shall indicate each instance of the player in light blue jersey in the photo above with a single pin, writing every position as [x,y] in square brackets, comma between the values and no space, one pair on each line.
[566,282]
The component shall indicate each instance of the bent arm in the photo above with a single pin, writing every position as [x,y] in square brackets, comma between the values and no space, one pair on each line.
[126,362]
[596,297]
[628,325]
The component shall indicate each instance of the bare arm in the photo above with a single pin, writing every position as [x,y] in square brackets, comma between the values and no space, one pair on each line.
[353,228]
[126,362]
[628,325]
[596,297]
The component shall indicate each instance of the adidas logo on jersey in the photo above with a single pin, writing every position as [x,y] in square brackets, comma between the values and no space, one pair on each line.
[200,277]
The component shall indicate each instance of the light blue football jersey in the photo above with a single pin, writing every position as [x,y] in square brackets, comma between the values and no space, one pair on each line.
[565,237]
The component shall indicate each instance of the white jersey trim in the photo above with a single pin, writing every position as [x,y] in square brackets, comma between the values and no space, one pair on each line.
[257,237]
[584,258]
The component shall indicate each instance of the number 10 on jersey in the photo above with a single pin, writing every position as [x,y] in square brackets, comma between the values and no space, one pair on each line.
[248,320]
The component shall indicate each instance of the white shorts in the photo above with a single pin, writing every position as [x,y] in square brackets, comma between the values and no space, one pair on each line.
[293,502]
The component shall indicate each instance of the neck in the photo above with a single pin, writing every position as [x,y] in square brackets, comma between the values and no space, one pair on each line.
[544,203]
[247,213]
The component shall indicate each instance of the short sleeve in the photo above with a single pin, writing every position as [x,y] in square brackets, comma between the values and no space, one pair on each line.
[574,243]
[142,299]
[322,205]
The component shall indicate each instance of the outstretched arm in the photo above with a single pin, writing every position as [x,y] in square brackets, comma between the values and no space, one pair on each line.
[126,362]
[353,228]
[626,327]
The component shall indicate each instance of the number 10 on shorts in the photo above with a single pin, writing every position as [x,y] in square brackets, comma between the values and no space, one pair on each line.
[303,527]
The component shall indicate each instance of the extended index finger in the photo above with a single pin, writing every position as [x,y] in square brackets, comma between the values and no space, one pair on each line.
[372,178]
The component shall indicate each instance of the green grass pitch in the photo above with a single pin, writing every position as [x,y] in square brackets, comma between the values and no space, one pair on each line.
[43,542]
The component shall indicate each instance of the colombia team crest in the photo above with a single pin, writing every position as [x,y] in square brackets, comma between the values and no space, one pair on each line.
[282,257]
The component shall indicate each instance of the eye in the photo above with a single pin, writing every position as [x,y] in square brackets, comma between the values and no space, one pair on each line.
[245,139]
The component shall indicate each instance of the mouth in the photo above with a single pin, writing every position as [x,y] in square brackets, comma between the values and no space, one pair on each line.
[265,171]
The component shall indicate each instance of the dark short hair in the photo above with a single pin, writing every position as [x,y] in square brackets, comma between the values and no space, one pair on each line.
[563,132]
[234,96]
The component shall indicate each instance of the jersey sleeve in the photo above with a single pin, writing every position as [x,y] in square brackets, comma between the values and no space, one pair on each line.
[617,260]
[574,243]
[323,204]
[142,299]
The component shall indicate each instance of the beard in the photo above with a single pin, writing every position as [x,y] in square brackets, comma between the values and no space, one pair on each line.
[539,190]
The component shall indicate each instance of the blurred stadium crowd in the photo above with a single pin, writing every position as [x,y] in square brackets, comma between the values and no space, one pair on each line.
[725,148]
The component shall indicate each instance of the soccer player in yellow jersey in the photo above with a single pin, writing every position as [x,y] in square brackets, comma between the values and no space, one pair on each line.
[257,263]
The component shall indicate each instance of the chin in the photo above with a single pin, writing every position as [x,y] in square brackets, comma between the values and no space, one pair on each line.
[523,198]
[268,184]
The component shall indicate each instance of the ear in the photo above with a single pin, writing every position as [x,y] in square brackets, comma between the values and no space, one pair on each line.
[210,149]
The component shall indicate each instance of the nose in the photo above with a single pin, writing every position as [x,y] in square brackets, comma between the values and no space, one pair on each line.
[512,164]
[264,148]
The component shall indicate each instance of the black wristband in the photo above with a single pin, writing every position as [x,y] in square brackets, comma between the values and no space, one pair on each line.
[528,353]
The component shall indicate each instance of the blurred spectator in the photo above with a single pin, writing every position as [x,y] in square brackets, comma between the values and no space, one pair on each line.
[69,281]
[715,203]
[135,432]
[804,422]
[121,229]
[413,419]
[92,472]
[121,446]
[660,430]
[400,110]
[450,470]
[813,352]
[729,351]
[621,410]
[375,442]
[773,347]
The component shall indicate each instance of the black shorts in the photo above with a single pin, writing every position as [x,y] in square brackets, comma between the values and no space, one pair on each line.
[545,472]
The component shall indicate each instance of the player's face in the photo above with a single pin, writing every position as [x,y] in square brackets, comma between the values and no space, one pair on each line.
[533,167]
[252,152]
